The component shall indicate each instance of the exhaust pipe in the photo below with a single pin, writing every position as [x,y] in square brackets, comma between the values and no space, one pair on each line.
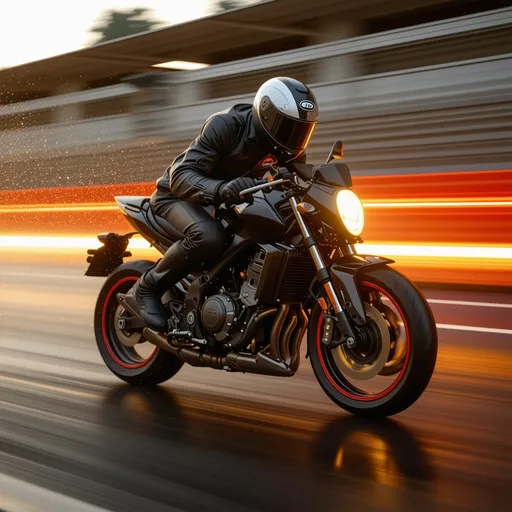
[260,363]
[297,339]
[256,318]
[284,342]
[275,333]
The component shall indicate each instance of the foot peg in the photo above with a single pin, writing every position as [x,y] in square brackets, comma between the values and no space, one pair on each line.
[185,336]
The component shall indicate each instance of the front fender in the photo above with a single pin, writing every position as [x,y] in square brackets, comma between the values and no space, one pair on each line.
[343,273]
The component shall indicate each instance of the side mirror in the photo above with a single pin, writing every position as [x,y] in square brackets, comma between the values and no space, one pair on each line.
[336,152]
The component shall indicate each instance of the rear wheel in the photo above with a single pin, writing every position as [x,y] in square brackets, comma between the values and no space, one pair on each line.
[124,350]
[394,356]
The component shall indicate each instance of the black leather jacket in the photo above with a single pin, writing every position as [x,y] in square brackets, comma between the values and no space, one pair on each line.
[227,147]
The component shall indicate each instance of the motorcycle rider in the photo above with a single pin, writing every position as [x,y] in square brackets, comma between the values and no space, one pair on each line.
[233,149]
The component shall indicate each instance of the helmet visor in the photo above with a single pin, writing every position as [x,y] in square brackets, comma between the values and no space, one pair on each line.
[288,132]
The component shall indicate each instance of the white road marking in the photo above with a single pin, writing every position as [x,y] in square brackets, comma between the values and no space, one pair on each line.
[466,303]
[472,328]
[434,251]
[470,303]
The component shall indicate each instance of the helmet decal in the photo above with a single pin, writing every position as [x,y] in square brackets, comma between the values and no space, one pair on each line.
[307,105]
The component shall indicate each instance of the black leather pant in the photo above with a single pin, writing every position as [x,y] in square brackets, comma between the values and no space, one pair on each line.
[204,238]
[202,241]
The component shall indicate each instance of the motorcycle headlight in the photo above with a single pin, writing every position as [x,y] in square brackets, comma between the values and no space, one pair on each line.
[351,211]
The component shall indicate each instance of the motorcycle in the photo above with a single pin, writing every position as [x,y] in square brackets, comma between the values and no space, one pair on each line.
[290,271]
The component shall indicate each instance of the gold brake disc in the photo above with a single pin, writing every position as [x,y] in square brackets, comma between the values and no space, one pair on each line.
[398,344]
[354,369]
[128,339]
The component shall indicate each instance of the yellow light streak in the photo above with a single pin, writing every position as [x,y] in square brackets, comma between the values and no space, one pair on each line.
[87,207]
[383,249]
[58,208]
[61,242]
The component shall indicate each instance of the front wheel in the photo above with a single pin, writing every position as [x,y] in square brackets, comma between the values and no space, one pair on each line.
[125,352]
[395,352]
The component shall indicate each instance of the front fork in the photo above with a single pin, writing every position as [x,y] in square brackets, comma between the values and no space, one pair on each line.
[348,335]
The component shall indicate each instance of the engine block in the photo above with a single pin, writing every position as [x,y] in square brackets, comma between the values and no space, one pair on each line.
[218,315]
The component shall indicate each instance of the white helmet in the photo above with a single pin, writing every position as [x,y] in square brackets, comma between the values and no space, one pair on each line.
[285,110]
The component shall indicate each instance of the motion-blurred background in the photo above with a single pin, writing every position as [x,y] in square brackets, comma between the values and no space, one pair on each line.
[420,91]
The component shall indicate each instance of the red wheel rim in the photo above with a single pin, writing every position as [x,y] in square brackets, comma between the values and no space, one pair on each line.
[104,330]
[320,347]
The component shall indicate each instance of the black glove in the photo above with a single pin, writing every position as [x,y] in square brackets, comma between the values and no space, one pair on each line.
[229,192]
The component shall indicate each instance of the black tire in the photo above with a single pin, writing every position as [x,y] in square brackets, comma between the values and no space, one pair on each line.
[121,361]
[418,366]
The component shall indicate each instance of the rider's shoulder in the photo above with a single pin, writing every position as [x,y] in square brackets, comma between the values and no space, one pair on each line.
[230,119]
[236,114]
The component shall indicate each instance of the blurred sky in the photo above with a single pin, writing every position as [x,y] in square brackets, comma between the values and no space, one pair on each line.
[34,29]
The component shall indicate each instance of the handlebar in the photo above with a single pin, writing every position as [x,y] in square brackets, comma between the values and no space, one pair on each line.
[263,186]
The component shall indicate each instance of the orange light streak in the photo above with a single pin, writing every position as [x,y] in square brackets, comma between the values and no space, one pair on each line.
[462,237]
[481,185]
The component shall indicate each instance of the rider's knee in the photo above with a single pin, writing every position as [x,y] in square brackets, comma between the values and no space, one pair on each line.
[206,240]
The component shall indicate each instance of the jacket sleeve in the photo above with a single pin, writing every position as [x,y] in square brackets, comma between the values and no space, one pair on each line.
[190,175]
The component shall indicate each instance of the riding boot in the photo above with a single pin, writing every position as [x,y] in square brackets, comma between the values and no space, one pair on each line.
[146,295]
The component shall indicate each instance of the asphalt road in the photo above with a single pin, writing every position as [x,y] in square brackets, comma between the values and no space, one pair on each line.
[72,437]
